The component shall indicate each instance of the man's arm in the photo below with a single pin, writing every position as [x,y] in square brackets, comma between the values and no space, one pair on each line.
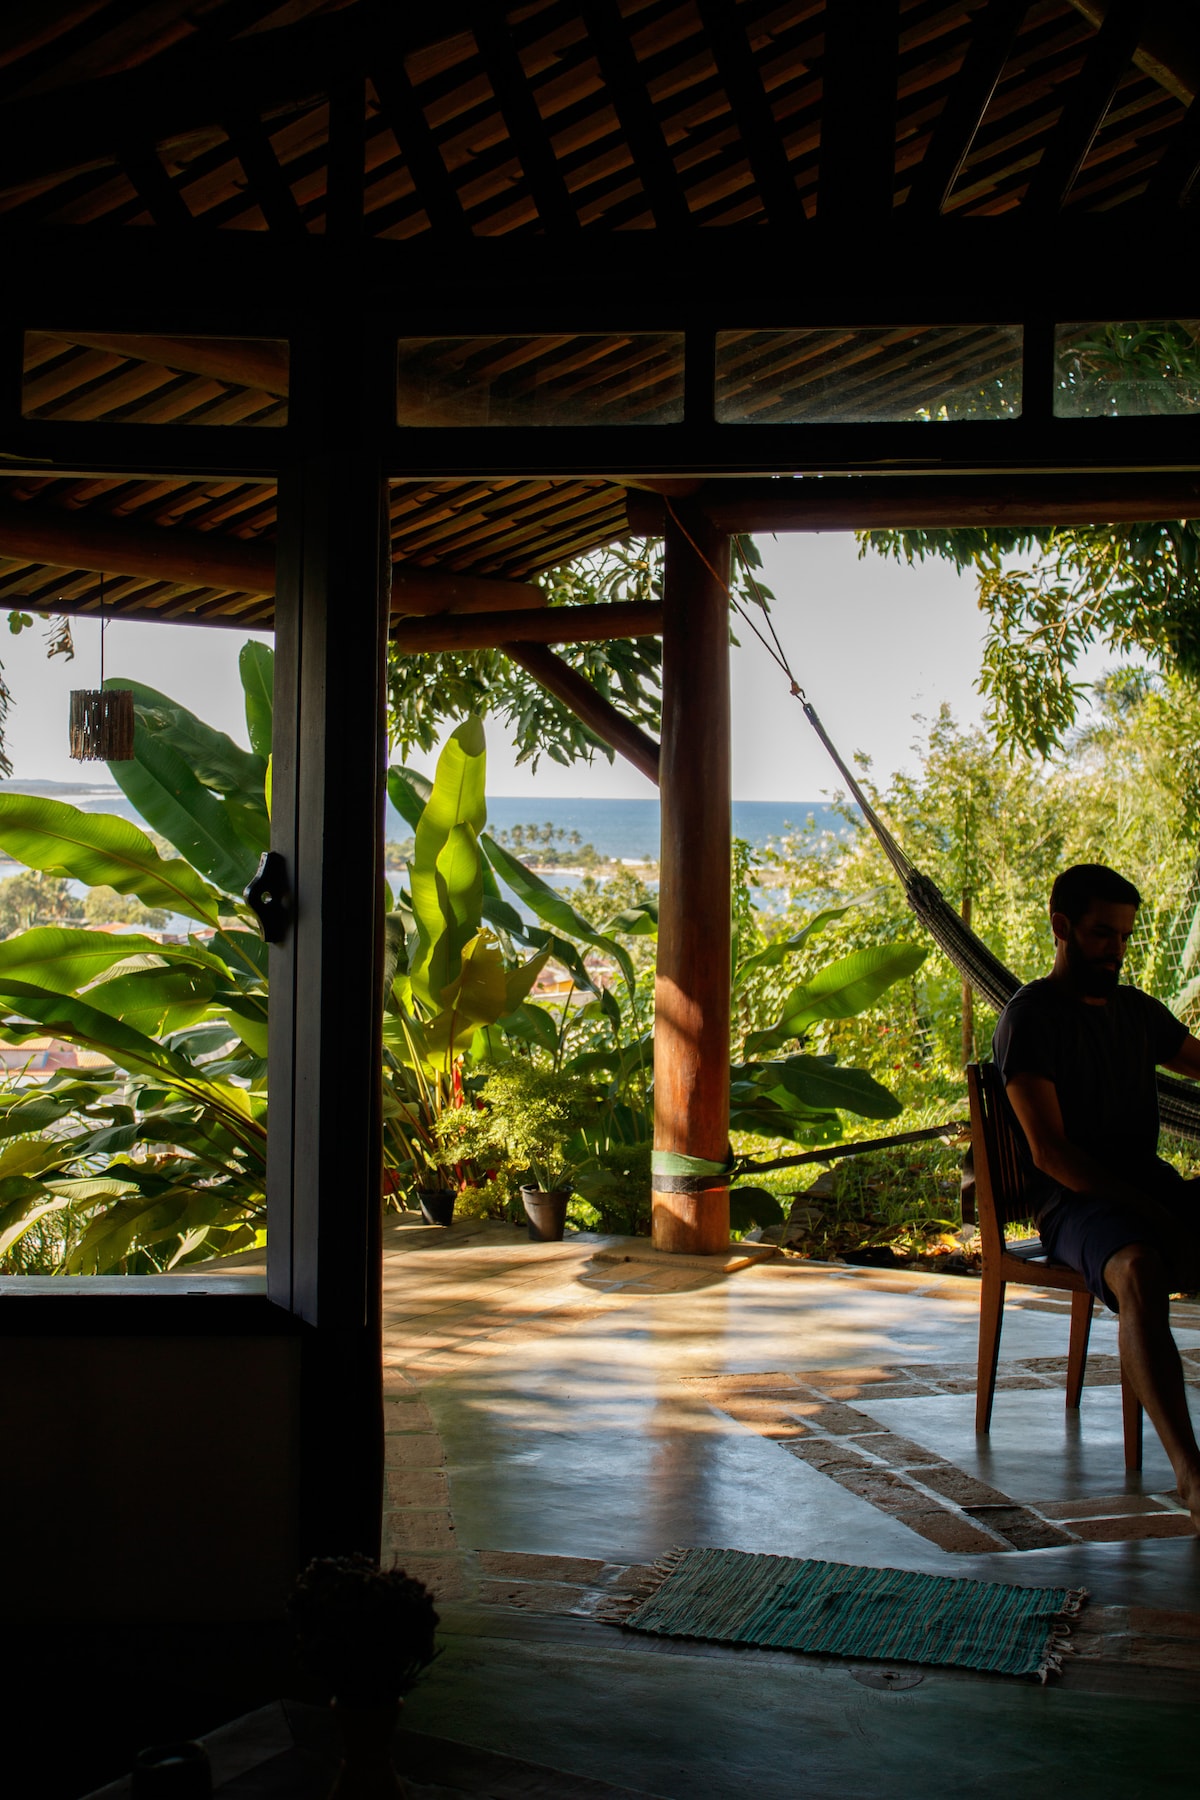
[1188,1060]
[1034,1099]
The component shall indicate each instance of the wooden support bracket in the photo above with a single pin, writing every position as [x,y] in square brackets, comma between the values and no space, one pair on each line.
[599,714]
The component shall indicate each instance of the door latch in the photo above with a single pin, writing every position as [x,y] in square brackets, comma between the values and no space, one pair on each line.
[267,895]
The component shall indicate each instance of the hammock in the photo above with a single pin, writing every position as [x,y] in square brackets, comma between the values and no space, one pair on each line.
[1178,1101]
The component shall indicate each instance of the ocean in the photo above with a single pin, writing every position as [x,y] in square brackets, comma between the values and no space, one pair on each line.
[623,830]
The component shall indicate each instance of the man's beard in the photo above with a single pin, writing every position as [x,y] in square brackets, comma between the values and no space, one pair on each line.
[1091,978]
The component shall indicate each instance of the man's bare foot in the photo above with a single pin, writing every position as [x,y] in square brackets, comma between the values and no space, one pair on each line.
[1189,1495]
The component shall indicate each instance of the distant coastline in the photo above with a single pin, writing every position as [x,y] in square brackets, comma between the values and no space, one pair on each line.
[58,790]
[618,831]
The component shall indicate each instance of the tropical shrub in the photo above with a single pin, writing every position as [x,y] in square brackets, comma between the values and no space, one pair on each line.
[158,1157]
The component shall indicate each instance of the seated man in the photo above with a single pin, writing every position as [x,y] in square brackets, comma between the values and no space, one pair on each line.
[1077,1052]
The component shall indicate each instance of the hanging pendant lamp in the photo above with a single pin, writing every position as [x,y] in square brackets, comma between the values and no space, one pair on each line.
[102,718]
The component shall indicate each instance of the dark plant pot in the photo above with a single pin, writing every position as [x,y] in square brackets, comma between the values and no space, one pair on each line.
[366,1733]
[546,1211]
[171,1772]
[437,1205]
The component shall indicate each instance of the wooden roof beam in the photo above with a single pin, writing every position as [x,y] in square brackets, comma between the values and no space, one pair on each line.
[427,592]
[877,503]
[243,362]
[78,541]
[546,625]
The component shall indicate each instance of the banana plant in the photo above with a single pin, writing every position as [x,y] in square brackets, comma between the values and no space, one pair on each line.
[161,1156]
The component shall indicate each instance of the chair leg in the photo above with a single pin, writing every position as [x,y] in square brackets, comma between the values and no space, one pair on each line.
[991,1318]
[1081,1331]
[1131,1421]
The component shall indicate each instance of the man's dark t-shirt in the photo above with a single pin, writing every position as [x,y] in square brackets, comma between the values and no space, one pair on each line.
[1101,1060]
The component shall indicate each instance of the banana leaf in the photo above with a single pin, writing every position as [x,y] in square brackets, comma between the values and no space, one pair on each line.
[256,666]
[817,1084]
[155,1001]
[533,1024]
[446,871]
[408,791]
[76,1020]
[844,988]
[162,783]
[782,948]
[212,756]
[102,850]
[549,906]
[62,958]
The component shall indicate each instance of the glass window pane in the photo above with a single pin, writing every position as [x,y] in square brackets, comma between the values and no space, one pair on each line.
[635,379]
[855,375]
[120,379]
[1127,369]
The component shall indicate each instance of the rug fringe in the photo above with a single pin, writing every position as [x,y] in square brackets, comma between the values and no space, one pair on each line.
[1058,1643]
[616,1608]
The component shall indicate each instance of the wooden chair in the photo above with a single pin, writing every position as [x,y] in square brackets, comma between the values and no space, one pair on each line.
[997,1201]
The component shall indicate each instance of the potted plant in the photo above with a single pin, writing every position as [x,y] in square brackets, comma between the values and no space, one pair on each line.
[530,1128]
[366,1633]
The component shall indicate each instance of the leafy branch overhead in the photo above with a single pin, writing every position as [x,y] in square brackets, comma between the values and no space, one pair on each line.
[1050,594]
[427,692]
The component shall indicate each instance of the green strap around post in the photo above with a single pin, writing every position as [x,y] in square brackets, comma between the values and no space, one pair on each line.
[673,1173]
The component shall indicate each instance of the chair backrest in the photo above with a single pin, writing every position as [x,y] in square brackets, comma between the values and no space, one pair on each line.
[1000,1176]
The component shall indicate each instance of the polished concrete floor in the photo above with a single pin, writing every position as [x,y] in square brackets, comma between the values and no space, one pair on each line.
[559,1408]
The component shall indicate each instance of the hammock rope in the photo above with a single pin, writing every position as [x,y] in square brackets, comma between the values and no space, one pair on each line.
[1178,1100]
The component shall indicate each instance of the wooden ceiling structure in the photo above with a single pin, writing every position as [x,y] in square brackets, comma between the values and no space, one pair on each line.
[668,224]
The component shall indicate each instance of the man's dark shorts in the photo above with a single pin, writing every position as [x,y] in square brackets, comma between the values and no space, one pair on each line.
[1084,1232]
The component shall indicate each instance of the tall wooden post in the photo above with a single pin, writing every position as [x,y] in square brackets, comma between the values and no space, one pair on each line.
[691,995]
[325,1142]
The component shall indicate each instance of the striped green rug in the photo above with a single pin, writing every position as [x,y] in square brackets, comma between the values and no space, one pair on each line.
[838,1609]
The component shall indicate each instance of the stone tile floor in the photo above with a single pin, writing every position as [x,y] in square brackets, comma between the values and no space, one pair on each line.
[558,1416]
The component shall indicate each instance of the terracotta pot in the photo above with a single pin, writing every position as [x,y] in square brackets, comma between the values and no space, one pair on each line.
[366,1734]
[546,1210]
[437,1204]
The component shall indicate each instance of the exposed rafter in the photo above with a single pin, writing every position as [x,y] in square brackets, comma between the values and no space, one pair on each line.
[993,33]
[530,139]
[1089,99]
[858,113]
[626,86]
[751,108]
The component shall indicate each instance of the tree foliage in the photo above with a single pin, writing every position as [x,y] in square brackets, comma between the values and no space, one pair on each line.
[1134,589]
[425,693]
[1049,594]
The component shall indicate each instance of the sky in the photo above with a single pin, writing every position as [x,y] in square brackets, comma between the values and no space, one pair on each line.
[874,643]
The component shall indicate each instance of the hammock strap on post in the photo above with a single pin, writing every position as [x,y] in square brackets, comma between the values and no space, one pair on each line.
[671,1172]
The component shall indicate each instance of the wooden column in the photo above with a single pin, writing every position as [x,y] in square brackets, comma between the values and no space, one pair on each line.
[691,996]
[324,1151]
